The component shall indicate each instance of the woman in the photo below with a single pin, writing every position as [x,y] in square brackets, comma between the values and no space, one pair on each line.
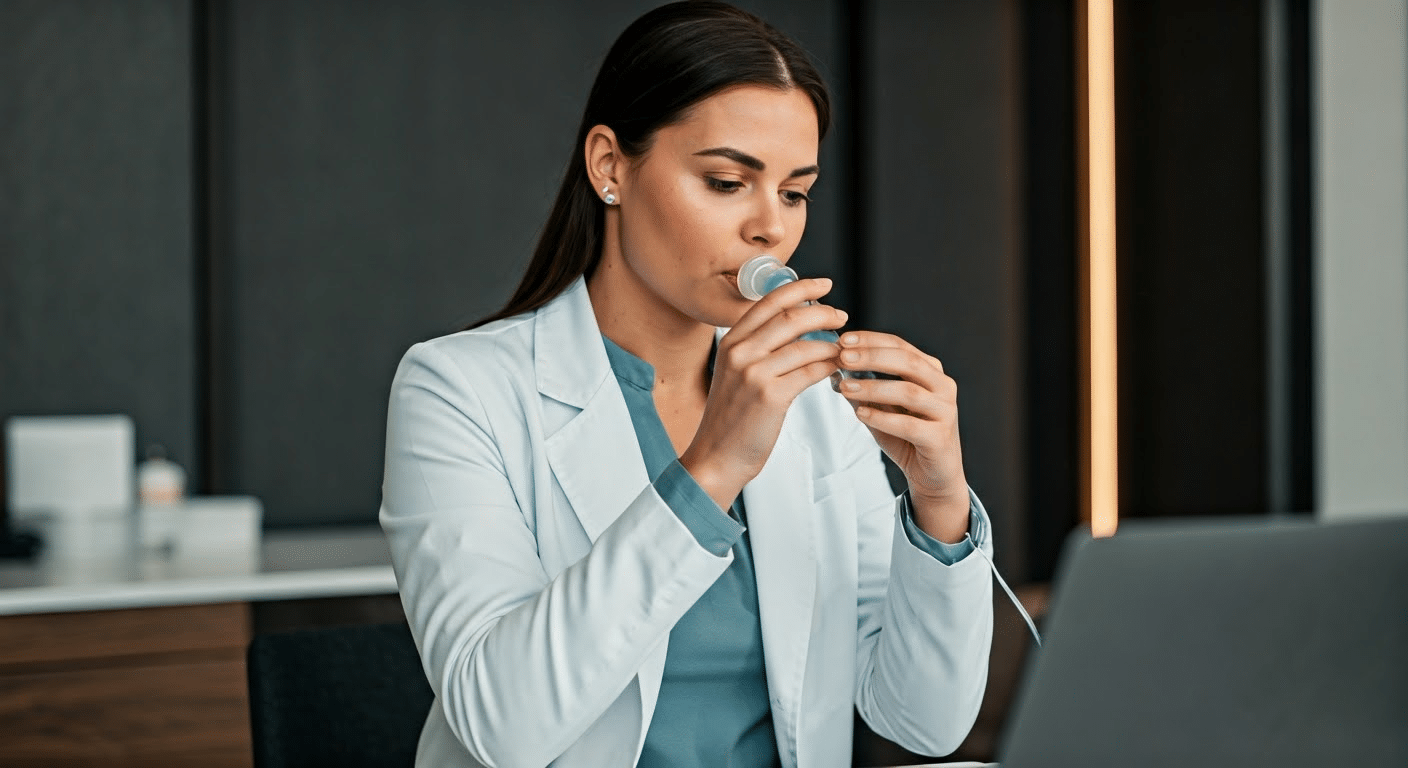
[627,536]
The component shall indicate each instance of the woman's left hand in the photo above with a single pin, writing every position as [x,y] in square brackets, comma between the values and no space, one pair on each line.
[915,421]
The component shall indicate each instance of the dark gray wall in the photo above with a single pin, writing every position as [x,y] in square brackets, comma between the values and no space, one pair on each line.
[383,174]
[96,305]
[943,198]
[367,175]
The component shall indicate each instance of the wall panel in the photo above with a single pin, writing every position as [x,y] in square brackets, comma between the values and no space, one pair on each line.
[381,176]
[942,196]
[1193,423]
[96,294]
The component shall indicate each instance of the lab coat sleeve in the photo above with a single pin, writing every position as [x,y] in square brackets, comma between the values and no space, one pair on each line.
[522,664]
[925,627]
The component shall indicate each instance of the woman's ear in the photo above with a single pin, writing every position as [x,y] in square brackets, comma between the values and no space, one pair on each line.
[605,163]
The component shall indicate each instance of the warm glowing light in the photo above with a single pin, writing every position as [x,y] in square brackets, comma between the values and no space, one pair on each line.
[1101,375]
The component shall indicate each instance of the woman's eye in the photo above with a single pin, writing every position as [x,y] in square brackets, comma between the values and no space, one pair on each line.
[723,185]
[795,198]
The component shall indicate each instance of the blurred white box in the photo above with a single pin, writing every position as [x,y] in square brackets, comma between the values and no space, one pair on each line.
[69,466]
[217,534]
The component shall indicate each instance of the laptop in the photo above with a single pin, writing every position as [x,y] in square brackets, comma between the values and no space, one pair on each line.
[1233,643]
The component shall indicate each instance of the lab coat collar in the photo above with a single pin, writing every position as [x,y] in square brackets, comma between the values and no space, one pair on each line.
[568,355]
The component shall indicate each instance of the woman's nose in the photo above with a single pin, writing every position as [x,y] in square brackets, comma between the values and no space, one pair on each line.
[766,227]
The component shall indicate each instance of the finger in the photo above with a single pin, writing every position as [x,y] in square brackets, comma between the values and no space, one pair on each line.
[783,375]
[790,323]
[762,374]
[798,354]
[798,380]
[905,427]
[899,396]
[877,340]
[744,349]
[908,364]
[789,295]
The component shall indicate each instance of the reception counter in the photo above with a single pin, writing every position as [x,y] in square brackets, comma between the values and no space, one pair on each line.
[120,654]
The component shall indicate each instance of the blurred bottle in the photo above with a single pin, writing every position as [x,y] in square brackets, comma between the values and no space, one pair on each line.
[161,490]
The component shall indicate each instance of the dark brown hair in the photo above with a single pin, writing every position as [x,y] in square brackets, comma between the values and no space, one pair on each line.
[663,64]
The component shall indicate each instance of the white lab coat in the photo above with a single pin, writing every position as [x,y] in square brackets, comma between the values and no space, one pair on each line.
[541,572]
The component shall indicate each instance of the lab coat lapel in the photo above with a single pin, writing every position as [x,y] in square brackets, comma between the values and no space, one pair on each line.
[591,443]
[782,533]
[597,463]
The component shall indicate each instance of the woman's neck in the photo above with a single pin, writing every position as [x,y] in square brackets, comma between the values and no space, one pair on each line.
[675,345]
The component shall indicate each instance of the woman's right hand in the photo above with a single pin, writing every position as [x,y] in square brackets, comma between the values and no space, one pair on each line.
[760,368]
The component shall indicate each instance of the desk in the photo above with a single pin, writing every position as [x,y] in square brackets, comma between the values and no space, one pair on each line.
[117,656]
[965,764]
[97,565]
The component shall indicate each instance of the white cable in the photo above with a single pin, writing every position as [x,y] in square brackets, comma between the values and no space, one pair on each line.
[1030,624]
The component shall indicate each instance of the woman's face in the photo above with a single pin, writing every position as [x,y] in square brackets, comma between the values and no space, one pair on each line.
[716,189]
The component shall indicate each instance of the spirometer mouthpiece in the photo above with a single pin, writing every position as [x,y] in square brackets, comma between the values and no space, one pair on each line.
[762,274]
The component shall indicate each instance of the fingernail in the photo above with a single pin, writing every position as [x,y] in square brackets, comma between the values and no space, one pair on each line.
[851,338]
[843,314]
[851,386]
[850,356]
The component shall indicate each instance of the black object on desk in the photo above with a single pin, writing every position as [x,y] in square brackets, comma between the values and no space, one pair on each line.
[13,544]
[18,545]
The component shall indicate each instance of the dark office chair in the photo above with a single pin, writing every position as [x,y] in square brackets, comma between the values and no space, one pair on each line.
[345,697]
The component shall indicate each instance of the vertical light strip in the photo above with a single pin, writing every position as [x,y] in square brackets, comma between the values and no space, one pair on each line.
[1102,468]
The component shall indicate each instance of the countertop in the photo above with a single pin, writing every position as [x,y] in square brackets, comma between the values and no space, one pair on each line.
[99,564]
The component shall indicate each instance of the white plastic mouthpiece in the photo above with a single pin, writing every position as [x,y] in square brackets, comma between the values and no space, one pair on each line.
[760,274]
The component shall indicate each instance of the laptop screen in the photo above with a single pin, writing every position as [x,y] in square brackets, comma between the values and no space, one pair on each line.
[1229,643]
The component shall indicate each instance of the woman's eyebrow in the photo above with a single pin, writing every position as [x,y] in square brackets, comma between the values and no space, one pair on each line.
[743,158]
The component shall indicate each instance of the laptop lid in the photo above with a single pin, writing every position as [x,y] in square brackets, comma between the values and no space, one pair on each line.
[1223,644]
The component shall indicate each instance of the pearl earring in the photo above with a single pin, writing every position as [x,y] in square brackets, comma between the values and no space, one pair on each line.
[610,198]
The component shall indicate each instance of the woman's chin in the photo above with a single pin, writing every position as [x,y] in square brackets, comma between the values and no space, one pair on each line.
[720,315]
[725,312]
